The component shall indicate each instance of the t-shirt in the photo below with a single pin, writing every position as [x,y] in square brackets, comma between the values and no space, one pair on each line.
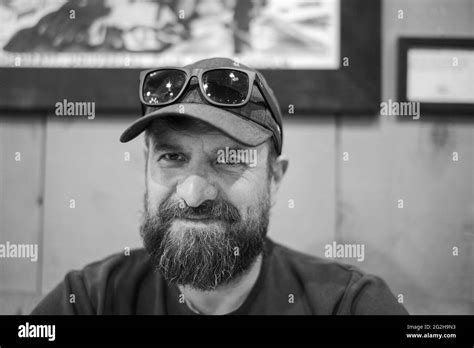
[289,283]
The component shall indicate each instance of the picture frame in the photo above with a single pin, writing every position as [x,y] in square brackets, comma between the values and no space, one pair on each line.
[353,88]
[438,73]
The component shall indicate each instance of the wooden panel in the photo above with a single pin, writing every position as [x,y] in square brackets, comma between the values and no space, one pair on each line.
[21,190]
[85,162]
[17,303]
[310,182]
[414,244]
[412,247]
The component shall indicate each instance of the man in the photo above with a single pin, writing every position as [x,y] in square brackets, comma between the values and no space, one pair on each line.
[213,136]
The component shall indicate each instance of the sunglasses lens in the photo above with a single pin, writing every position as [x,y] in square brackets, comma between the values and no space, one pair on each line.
[226,86]
[163,86]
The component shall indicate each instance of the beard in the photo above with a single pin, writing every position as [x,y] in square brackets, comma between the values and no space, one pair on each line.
[207,255]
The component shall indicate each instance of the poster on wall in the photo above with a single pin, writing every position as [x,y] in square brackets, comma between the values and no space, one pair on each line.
[442,75]
[437,73]
[266,34]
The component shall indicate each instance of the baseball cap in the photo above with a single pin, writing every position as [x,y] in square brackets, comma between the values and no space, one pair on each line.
[251,124]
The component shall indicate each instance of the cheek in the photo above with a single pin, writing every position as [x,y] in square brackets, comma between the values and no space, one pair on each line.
[247,196]
[158,188]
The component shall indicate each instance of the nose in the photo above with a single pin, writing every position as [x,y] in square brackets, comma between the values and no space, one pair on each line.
[195,190]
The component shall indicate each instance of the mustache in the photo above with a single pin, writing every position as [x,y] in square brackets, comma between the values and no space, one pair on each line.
[215,210]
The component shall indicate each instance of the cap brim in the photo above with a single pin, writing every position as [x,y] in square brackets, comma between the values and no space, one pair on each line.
[242,130]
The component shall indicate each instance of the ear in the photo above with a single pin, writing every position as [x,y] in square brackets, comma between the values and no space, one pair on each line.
[146,154]
[279,167]
[146,145]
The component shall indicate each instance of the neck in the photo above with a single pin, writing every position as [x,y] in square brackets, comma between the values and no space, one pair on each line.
[226,298]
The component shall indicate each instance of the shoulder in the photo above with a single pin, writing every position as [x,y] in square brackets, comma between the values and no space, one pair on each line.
[100,287]
[113,277]
[116,266]
[334,287]
[312,267]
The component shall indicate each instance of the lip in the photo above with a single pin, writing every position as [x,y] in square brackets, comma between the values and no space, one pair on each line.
[198,219]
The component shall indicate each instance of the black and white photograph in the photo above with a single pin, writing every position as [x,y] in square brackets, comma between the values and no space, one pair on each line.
[255,160]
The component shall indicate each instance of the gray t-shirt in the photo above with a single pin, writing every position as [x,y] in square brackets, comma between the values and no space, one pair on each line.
[289,283]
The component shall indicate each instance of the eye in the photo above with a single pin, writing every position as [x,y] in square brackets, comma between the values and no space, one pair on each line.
[219,162]
[230,165]
[172,157]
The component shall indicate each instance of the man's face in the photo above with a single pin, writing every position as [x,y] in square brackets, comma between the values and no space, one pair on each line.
[204,220]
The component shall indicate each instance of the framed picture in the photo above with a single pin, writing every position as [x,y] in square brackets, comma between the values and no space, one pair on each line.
[311,52]
[278,34]
[437,73]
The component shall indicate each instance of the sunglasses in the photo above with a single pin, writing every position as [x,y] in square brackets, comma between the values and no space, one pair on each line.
[226,87]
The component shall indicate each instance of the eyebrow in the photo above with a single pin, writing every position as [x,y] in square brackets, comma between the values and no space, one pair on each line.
[167,147]
[178,148]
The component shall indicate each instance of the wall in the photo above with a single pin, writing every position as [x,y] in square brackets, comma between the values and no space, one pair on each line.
[412,160]
[348,201]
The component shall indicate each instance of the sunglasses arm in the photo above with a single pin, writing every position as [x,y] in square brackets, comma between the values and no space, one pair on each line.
[273,107]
